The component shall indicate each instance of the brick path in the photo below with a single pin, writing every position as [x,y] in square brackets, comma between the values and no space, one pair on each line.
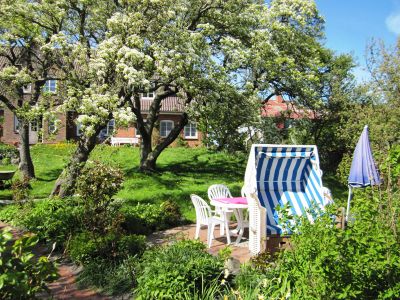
[65,286]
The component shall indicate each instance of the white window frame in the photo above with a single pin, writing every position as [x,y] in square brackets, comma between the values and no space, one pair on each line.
[190,137]
[148,95]
[27,89]
[16,123]
[166,122]
[47,86]
[78,129]
[51,126]
[110,124]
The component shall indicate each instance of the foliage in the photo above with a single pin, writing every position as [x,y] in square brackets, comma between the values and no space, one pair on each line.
[8,152]
[113,278]
[84,249]
[360,262]
[343,170]
[176,271]
[96,186]
[22,276]
[146,218]
[21,189]
[53,220]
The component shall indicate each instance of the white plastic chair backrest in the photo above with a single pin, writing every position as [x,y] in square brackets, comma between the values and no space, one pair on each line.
[257,224]
[203,210]
[217,191]
[243,191]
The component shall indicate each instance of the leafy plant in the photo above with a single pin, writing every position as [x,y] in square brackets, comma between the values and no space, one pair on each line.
[113,278]
[146,218]
[325,262]
[177,271]
[84,248]
[21,189]
[53,220]
[22,276]
[96,186]
[7,151]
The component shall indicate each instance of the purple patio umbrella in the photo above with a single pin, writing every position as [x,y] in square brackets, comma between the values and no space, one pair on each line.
[363,170]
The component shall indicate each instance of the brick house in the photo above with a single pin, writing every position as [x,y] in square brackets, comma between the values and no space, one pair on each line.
[277,107]
[42,131]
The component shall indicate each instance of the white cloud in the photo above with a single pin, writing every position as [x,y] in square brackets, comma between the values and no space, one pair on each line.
[393,23]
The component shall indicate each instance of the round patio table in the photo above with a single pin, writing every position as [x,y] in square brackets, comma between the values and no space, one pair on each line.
[235,203]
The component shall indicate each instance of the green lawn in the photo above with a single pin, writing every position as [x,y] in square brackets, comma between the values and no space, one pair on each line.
[181,172]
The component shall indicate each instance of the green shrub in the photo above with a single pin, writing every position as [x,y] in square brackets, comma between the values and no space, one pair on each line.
[7,151]
[178,271]
[361,262]
[112,278]
[96,186]
[85,248]
[147,218]
[20,189]
[22,276]
[8,213]
[131,245]
[53,220]
[171,213]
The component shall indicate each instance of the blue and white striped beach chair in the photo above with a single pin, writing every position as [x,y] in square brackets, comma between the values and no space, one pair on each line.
[285,174]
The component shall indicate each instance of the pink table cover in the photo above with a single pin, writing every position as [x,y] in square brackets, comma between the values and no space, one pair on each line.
[234,200]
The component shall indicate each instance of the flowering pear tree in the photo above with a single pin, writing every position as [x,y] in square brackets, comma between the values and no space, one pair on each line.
[92,83]
[27,30]
[201,49]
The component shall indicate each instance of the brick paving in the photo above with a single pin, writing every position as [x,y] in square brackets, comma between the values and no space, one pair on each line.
[240,252]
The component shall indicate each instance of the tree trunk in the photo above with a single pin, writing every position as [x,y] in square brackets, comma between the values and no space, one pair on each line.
[146,164]
[148,157]
[26,165]
[66,182]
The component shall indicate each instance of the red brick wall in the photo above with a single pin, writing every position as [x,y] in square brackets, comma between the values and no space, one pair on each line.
[132,132]
[12,137]
[61,134]
[9,135]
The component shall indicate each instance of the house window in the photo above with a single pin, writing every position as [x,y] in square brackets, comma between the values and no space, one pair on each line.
[50,86]
[190,131]
[52,126]
[78,129]
[166,127]
[34,125]
[148,95]
[108,130]
[16,123]
[27,89]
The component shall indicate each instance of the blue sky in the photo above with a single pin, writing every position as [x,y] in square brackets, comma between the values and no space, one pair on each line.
[351,24]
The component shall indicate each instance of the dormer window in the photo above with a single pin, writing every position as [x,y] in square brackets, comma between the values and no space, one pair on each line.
[50,86]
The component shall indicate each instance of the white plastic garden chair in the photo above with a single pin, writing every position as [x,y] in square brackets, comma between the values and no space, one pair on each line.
[218,191]
[204,216]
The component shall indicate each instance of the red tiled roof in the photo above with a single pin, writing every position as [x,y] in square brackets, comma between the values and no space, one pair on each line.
[169,104]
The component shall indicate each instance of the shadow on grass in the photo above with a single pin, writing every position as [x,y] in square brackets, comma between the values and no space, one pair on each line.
[50,175]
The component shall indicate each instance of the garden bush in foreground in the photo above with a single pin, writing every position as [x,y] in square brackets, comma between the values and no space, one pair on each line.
[22,275]
[361,262]
[183,270]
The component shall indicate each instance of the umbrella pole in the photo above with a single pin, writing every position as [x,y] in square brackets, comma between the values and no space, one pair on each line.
[348,203]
